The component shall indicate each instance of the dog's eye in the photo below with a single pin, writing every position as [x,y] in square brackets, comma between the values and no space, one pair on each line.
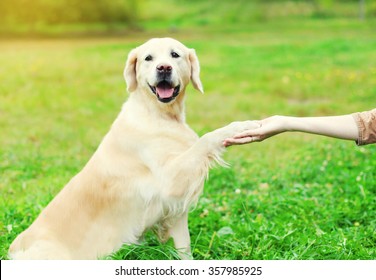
[175,55]
[149,58]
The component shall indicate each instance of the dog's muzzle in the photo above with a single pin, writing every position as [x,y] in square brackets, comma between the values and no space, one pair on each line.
[165,91]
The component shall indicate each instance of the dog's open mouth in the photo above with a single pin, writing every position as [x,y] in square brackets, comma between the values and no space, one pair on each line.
[165,92]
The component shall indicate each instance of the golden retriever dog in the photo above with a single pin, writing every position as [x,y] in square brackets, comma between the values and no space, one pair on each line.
[146,172]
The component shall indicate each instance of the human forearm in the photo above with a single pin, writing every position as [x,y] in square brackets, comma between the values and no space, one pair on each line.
[343,127]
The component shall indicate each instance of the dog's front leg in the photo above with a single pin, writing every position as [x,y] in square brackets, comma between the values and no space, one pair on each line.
[180,234]
[184,176]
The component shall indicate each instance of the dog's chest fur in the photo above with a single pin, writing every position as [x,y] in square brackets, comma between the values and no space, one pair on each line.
[147,145]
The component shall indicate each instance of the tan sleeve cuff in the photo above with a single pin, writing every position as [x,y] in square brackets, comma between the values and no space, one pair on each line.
[366,122]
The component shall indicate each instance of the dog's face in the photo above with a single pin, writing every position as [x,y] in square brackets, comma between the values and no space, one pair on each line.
[163,68]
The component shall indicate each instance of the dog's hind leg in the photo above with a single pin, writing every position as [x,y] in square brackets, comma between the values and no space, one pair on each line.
[41,250]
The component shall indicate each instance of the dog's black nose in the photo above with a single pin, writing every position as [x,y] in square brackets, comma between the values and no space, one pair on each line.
[164,68]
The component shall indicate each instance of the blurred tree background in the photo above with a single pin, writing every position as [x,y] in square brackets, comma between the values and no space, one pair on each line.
[36,16]
[66,11]
[45,17]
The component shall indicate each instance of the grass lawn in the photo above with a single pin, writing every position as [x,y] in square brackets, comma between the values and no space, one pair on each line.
[294,196]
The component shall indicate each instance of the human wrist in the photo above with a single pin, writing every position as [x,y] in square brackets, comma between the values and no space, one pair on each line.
[286,123]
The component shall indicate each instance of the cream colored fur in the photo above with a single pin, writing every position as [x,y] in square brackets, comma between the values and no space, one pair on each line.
[147,171]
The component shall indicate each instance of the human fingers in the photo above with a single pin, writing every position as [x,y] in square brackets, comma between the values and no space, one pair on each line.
[239,141]
[255,133]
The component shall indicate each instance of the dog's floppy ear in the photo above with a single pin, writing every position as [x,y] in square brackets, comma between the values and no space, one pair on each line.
[195,71]
[130,71]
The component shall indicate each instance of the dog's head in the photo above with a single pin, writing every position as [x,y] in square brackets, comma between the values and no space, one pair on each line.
[163,67]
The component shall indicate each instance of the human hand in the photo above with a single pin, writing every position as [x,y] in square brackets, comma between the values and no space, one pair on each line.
[219,135]
[268,127]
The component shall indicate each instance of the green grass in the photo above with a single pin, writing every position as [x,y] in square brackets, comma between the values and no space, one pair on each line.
[294,196]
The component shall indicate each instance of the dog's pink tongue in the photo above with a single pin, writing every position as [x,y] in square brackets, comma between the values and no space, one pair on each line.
[165,92]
